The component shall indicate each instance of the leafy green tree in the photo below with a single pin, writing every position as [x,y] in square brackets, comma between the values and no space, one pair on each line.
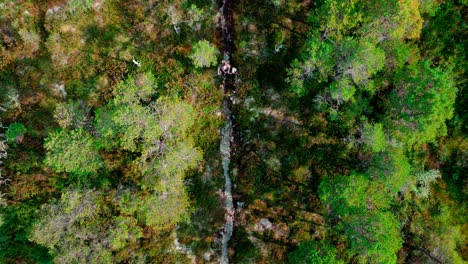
[160,211]
[392,169]
[195,15]
[126,118]
[204,54]
[72,151]
[351,64]
[437,230]
[82,228]
[71,115]
[371,231]
[398,53]
[15,131]
[421,103]
[80,4]
[374,137]
[15,223]
[374,189]
[401,19]
[362,201]
[359,60]
[422,188]
[159,131]
[317,62]
[374,237]
[348,43]
[315,252]
[169,140]
[107,130]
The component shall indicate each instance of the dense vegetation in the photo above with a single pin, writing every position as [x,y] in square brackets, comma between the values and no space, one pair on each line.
[350,126]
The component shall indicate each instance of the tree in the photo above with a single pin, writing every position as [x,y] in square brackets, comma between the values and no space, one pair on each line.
[422,188]
[204,54]
[375,237]
[421,103]
[315,252]
[82,228]
[159,131]
[21,37]
[347,46]
[72,151]
[391,169]
[195,16]
[71,115]
[400,20]
[126,118]
[14,132]
[362,202]
[374,137]
[160,211]
[371,231]
[349,63]
[437,229]
[80,4]
[15,224]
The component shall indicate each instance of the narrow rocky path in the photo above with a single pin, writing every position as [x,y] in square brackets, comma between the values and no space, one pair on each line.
[228,73]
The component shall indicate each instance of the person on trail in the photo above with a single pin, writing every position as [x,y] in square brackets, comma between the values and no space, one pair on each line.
[233,70]
[225,68]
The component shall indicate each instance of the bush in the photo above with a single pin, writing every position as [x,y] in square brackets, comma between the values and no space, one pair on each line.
[15,132]
[204,54]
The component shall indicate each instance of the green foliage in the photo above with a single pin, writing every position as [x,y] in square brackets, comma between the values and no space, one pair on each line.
[14,131]
[128,116]
[71,115]
[159,131]
[196,15]
[392,169]
[375,237]
[437,227]
[349,46]
[108,130]
[124,231]
[424,180]
[317,61]
[372,92]
[81,228]
[166,210]
[14,244]
[429,7]
[80,4]
[348,194]
[135,90]
[10,98]
[339,202]
[372,190]
[362,202]
[72,152]
[315,253]
[160,211]
[204,54]
[374,137]
[371,232]
[359,60]
[421,104]
[400,19]
[398,53]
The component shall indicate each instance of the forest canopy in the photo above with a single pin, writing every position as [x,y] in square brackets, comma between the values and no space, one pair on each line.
[271,131]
